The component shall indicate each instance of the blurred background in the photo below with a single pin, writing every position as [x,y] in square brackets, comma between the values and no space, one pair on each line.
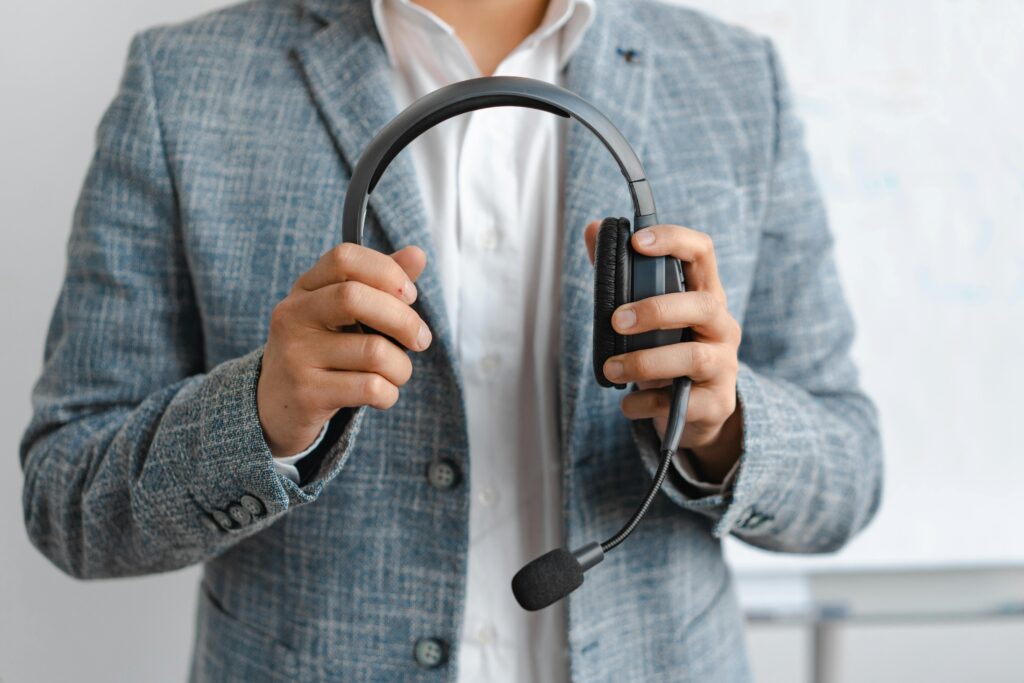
[914,117]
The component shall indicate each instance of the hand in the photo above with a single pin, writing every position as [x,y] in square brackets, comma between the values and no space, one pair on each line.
[713,423]
[311,369]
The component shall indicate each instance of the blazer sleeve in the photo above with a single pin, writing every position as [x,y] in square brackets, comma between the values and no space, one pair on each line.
[810,471]
[136,460]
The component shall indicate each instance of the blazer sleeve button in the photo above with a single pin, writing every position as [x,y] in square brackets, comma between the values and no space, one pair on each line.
[222,519]
[240,514]
[208,523]
[252,504]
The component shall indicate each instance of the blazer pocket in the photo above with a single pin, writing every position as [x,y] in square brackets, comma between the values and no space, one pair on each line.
[227,648]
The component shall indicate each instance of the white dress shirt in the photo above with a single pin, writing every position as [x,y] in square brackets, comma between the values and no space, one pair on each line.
[492,183]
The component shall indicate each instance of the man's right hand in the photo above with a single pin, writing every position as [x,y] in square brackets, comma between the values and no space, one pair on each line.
[311,368]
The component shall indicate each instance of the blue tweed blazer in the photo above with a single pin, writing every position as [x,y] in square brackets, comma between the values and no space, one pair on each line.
[219,176]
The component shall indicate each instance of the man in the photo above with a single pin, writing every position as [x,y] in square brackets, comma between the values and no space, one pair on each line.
[360,503]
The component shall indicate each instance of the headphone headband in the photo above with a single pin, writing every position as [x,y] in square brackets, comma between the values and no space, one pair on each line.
[483,93]
[554,575]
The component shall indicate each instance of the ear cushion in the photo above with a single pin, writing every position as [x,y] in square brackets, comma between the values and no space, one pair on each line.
[612,279]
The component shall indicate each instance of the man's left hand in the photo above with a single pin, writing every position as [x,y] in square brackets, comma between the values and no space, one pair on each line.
[713,422]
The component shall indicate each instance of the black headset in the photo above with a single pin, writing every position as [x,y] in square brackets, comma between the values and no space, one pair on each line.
[620,276]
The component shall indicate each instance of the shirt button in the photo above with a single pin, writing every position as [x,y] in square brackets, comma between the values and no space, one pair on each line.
[486,635]
[443,474]
[430,652]
[489,239]
[252,504]
[222,519]
[240,514]
[487,496]
[490,363]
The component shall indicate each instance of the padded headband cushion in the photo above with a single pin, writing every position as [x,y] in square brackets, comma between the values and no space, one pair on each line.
[612,276]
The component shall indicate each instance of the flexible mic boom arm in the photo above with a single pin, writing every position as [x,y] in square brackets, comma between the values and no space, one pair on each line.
[555,574]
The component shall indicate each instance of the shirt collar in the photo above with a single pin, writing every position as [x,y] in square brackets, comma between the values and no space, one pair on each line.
[572,17]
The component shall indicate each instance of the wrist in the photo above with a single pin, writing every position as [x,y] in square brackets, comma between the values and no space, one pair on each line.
[716,458]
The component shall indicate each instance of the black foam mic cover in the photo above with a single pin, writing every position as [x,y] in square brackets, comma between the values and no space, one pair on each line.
[547,579]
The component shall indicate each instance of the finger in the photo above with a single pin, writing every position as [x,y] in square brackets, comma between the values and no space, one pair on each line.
[654,384]
[352,389]
[639,405]
[354,262]
[412,260]
[590,237]
[694,248]
[345,303]
[705,407]
[701,310]
[363,352]
[699,361]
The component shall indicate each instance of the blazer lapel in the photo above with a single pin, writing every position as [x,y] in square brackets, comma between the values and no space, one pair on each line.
[347,71]
[617,81]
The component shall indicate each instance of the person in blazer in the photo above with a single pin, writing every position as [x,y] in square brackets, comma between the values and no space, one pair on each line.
[180,376]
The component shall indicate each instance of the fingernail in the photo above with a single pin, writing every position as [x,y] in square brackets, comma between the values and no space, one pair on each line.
[409,292]
[423,338]
[624,318]
[613,370]
[645,237]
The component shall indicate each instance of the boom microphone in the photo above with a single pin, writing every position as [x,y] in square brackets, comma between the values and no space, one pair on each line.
[558,572]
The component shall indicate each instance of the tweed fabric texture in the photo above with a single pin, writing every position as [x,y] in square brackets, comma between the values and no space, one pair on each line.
[218,178]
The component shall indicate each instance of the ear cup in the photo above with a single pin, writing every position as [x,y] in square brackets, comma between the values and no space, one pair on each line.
[612,280]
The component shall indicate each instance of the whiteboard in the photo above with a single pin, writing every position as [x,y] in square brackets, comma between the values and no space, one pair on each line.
[914,113]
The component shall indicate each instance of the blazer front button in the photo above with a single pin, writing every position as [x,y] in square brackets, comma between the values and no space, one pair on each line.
[430,653]
[443,474]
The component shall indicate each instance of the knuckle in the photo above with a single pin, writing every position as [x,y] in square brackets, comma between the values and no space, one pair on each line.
[280,315]
[375,351]
[705,245]
[404,373]
[341,256]
[735,332]
[349,295]
[375,390]
[701,359]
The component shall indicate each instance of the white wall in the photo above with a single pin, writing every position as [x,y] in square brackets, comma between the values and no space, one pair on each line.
[60,62]
[912,112]
[59,65]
